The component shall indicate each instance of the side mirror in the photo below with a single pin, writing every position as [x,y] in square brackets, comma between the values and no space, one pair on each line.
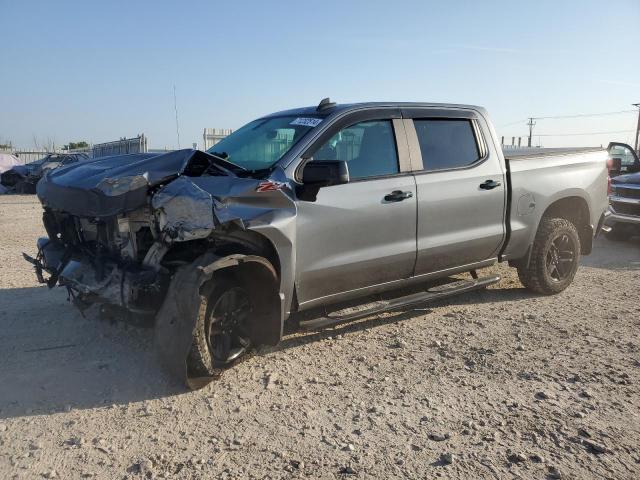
[324,173]
[321,173]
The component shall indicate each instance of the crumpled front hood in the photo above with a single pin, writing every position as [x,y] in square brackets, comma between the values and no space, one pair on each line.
[89,175]
[633,178]
[112,185]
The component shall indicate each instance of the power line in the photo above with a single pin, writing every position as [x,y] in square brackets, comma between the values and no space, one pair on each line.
[513,123]
[580,134]
[578,115]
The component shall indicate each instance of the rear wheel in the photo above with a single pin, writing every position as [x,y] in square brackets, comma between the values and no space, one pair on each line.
[554,258]
[220,335]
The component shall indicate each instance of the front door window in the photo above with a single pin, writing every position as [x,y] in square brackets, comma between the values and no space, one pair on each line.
[369,148]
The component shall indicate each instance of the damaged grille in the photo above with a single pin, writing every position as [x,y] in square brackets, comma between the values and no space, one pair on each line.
[101,260]
[122,238]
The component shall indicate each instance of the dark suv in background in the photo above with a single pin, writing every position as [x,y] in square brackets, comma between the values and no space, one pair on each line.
[623,216]
[23,178]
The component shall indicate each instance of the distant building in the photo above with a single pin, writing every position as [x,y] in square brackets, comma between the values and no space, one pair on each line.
[211,136]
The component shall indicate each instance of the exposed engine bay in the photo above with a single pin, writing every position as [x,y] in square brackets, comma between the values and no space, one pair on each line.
[118,241]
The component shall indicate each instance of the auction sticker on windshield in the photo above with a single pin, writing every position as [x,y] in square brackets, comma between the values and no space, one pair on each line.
[307,122]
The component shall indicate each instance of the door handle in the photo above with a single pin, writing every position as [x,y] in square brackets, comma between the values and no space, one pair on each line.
[489,184]
[397,196]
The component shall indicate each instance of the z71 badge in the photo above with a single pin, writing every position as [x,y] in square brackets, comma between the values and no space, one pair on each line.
[270,186]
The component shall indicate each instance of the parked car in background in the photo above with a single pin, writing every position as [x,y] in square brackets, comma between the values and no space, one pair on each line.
[623,216]
[23,178]
[7,162]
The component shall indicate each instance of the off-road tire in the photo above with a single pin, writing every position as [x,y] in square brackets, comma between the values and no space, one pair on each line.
[200,361]
[536,276]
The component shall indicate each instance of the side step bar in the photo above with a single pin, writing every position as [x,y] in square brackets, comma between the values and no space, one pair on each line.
[435,293]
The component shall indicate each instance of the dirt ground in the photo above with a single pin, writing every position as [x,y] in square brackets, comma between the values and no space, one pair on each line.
[494,384]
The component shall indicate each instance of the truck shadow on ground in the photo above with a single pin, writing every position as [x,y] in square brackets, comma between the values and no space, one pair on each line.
[294,337]
[54,360]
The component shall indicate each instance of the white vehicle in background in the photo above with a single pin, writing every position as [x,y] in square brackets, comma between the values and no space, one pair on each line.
[7,162]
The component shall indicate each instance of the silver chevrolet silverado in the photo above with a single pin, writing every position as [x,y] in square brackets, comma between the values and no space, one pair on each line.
[313,207]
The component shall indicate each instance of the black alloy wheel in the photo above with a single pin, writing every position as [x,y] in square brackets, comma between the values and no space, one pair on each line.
[227,326]
[560,258]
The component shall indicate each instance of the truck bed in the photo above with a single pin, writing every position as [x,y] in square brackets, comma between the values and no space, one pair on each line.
[531,152]
[538,177]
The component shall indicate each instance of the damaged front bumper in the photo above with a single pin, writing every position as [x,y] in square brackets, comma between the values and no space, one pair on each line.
[144,233]
[94,280]
[113,284]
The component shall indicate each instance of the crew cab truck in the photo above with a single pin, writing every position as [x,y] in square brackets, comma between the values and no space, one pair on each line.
[313,207]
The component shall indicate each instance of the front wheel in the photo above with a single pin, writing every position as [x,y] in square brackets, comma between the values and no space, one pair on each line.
[220,336]
[554,258]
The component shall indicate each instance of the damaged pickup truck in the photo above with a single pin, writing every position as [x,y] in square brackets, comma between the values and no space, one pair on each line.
[313,207]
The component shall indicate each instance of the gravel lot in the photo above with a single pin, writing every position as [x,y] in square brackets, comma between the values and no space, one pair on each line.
[494,384]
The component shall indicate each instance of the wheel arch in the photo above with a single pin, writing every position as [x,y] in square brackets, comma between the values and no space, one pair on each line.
[250,242]
[259,277]
[230,242]
[574,209]
[571,207]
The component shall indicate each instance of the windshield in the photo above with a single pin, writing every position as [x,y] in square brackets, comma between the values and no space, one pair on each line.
[261,143]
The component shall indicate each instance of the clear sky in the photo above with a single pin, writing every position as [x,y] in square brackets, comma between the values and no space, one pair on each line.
[97,71]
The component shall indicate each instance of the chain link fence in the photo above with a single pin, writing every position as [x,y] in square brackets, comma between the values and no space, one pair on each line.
[122,146]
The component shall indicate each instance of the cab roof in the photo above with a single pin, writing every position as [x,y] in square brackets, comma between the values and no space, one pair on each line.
[345,107]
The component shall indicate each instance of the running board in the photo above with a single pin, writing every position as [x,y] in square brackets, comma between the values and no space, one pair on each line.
[435,293]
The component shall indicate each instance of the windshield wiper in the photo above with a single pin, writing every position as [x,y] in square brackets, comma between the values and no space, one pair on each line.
[223,155]
[221,158]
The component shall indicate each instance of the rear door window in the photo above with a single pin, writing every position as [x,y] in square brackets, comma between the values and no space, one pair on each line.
[446,143]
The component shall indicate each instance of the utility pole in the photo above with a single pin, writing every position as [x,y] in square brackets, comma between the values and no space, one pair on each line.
[531,124]
[638,126]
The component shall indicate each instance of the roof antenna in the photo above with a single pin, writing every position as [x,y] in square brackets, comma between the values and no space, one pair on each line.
[175,107]
[325,104]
